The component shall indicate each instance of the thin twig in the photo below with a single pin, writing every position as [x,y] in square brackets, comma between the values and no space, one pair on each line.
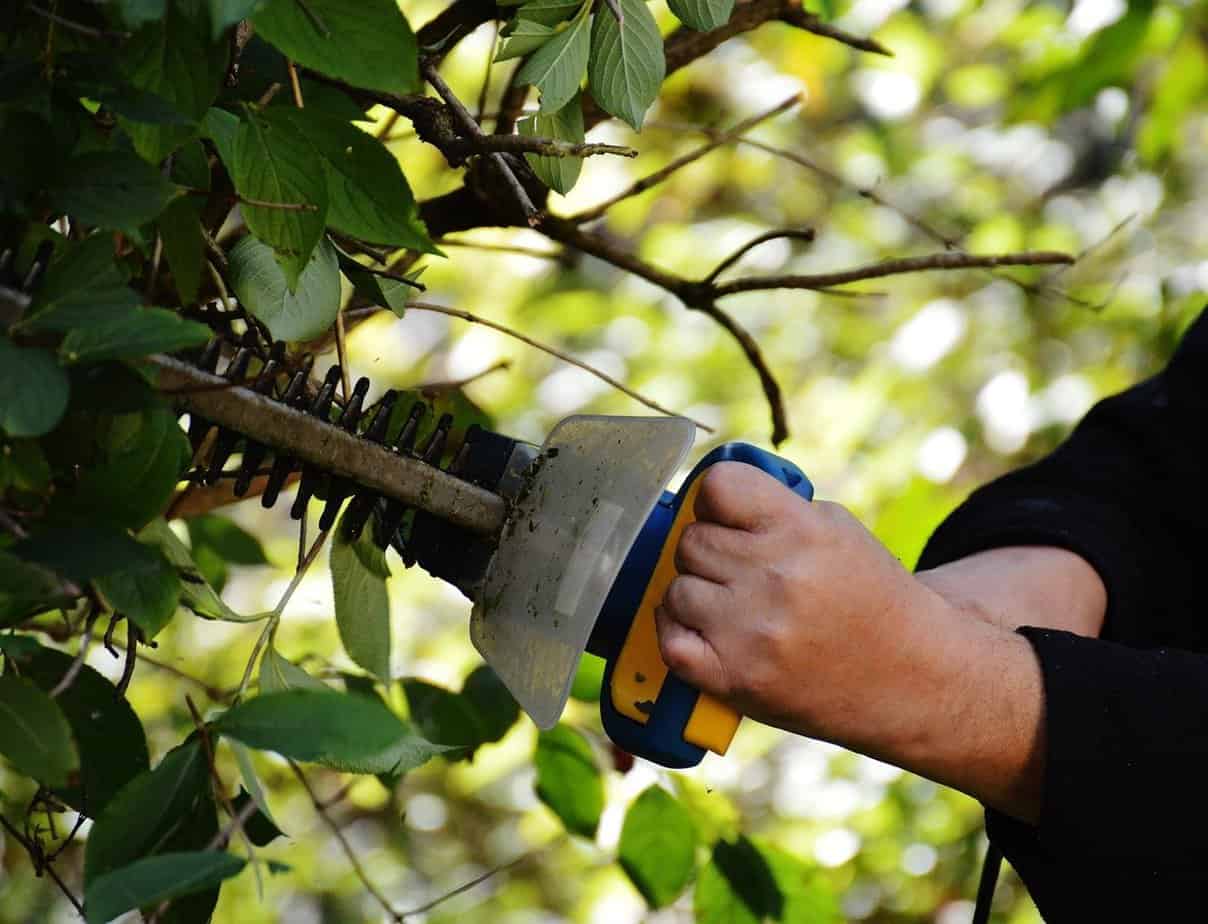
[156,256]
[34,853]
[79,27]
[948,260]
[280,206]
[465,887]
[553,351]
[294,84]
[800,234]
[355,862]
[474,131]
[463,382]
[485,87]
[132,639]
[559,256]
[69,677]
[547,147]
[342,356]
[658,176]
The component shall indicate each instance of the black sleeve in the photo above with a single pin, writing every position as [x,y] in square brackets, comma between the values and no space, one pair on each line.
[1126,715]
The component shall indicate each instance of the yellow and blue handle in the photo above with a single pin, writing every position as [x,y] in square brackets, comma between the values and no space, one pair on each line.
[646,709]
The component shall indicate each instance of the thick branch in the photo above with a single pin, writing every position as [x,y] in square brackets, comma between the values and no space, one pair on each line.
[926,263]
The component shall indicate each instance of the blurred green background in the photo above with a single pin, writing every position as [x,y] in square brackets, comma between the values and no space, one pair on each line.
[1002,125]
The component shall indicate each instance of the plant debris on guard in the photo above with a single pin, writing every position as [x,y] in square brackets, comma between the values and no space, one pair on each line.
[585,552]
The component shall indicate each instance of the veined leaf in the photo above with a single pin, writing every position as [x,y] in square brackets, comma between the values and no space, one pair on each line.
[548,12]
[558,173]
[521,37]
[658,846]
[131,333]
[556,68]
[33,390]
[368,194]
[146,593]
[627,64]
[275,164]
[152,880]
[367,43]
[340,730]
[34,734]
[263,289]
[702,15]
[180,228]
[358,577]
[112,189]
[147,811]
[172,60]
[568,780]
[278,675]
[226,13]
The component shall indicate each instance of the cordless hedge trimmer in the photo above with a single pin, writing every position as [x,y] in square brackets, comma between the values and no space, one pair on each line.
[563,548]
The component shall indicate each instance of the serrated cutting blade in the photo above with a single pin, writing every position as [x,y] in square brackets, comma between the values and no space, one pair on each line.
[587,495]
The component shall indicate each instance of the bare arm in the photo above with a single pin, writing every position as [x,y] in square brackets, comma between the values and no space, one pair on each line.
[838,641]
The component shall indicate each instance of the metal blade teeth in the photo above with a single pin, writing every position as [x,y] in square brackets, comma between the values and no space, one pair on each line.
[390,517]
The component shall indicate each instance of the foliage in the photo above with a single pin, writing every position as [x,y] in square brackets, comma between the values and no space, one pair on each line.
[174,170]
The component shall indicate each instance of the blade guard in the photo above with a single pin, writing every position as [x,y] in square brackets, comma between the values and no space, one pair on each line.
[588,494]
[647,710]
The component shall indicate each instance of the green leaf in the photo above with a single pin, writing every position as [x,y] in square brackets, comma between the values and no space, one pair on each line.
[221,127]
[548,12]
[260,829]
[34,734]
[23,466]
[26,589]
[658,846]
[132,333]
[173,60]
[339,730]
[522,36]
[558,173]
[108,735]
[367,43]
[180,228]
[702,15]
[627,64]
[480,714]
[589,679]
[140,457]
[497,710]
[263,290]
[136,12]
[82,284]
[377,288]
[556,68]
[737,886]
[155,879]
[568,780]
[147,811]
[196,592]
[251,781]
[272,162]
[278,675]
[226,13]
[369,196]
[18,646]
[146,593]
[358,579]
[225,538]
[33,390]
[112,189]
[808,898]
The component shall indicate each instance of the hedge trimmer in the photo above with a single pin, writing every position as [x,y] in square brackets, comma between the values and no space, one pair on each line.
[563,548]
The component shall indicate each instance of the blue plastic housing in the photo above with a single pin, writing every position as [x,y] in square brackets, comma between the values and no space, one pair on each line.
[661,738]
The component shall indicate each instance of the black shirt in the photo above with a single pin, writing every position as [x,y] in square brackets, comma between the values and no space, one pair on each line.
[1123,830]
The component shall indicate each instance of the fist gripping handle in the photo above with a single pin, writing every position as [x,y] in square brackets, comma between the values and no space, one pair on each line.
[646,709]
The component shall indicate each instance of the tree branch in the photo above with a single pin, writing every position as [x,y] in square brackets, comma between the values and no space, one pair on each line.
[937,261]
[653,179]
[803,234]
[552,351]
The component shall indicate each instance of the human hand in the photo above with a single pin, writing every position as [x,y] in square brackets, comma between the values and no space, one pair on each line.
[794,614]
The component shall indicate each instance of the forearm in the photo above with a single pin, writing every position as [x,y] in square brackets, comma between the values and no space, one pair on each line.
[976,687]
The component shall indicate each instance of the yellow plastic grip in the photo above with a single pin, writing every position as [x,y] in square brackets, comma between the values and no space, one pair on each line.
[639,672]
